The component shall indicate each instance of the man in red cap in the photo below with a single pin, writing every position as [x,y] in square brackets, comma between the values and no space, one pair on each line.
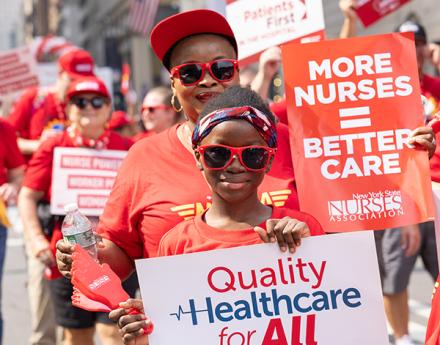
[38,114]
[40,111]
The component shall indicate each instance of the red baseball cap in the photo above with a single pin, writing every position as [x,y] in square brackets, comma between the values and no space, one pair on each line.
[171,30]
[119,119]
[77,63]
[87,85]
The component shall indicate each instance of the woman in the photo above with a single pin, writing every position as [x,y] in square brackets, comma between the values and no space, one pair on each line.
[158,184]
[157,113]
[88,109]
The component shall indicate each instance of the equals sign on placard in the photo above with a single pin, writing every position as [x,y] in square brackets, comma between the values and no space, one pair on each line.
[355,117]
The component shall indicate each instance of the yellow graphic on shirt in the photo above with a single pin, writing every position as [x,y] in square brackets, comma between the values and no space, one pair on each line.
[188,211]
[57,124]
[277,198]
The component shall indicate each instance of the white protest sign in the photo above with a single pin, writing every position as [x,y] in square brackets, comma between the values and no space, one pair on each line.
[48,73]
[261,24]
[327,293]
[83,176]
[17,71]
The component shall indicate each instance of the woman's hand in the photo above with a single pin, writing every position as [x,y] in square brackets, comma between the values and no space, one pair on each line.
[64,258]
[131,326]
[423,138]
[288,232]
[9,193]
[348,8]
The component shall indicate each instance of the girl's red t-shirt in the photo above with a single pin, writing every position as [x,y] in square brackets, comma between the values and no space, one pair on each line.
[195,235]
[158,186]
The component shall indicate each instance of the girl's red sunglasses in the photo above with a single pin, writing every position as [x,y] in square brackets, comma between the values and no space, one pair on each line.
[252,158]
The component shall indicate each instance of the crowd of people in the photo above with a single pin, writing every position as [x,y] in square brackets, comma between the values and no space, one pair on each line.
[212,141]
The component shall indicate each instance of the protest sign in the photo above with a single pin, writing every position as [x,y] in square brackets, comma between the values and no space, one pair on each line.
[352,106]
[327,293]
[17,71]
[83,176]
[370,11]
[261,24]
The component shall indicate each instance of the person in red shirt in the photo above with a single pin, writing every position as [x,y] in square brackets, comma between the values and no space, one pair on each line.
[40,112]
[157,113]
[11,175]
[225,122]
[234,142]
[152,195]
[88,108]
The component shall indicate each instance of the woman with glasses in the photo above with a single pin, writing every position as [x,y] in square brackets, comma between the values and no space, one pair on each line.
[88,110]
[157,113]
[158,184]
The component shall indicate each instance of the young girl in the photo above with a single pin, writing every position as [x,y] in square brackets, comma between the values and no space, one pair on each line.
[234,143]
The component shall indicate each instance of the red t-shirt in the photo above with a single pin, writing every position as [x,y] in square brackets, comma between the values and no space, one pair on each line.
[39,172]
[195,235]
[430,87]
[158,186]
[36,110]
[10,155]
[280,110]
[143,135]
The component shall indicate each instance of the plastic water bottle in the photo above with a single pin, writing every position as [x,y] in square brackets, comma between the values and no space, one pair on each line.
[77,229]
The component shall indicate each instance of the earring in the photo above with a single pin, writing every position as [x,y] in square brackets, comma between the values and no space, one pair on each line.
[173,103]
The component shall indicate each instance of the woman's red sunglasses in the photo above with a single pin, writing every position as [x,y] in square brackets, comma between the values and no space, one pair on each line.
[152,108]
[252,158]
[222,70]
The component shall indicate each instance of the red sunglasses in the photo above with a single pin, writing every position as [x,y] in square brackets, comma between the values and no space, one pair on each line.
[153,108]
[252,158]
[222,70]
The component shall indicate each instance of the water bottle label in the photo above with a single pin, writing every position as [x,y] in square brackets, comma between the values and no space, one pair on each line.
[84,239]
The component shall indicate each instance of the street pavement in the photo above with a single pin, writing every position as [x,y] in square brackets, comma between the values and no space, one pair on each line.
[16,310]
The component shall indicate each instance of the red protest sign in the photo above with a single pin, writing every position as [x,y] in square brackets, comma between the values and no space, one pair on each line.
[370,11]
[352,105]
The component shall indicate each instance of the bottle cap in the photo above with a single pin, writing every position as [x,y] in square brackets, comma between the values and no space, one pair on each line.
[70,207]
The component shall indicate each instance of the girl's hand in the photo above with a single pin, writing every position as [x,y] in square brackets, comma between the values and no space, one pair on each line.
[131,326]
[288,232]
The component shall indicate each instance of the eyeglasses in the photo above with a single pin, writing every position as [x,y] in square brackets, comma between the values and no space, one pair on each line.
[252,158]
[95,102]
[153,108]
[191,73]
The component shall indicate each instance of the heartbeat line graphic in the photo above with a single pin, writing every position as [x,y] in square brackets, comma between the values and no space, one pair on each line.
[193,312]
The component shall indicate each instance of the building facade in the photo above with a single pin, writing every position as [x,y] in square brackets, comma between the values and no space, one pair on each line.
[11,36]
